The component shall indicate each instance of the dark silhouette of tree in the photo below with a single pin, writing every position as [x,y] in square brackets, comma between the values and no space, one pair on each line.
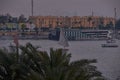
[89,20]
[39,65]
[10,68]
[22,19]
[111,26]
[23,26]
[117,24]
[101,25]
[57,23]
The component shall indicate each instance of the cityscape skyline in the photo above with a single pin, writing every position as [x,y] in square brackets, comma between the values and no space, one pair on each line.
[61,7]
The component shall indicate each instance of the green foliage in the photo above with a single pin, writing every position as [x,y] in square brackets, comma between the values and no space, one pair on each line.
[40,65]
[10,69]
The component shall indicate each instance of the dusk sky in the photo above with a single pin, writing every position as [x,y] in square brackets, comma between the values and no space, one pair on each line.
[61,7]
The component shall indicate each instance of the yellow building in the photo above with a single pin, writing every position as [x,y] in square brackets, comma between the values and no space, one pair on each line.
[73,21]
[50,21]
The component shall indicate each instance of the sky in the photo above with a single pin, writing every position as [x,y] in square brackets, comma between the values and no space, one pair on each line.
[61,7]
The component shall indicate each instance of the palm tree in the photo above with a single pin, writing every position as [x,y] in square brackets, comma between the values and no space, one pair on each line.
[40,65]
[31,57]
[93,25]
[46,65]
[84,70]
[56,65]
[23,26]
[10,69]
[111,26]
[89,20]
[101,23]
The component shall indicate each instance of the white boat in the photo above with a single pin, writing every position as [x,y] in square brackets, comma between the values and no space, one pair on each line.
[109,45]
[62,39]
[111,42]
[110,37]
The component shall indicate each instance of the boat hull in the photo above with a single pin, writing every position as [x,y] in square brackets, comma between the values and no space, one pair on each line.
[109,45]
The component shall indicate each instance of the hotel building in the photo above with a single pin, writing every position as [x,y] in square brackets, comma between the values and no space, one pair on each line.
[73,21]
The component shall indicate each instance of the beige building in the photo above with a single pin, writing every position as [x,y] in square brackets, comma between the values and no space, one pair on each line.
[50,21]
[74,21]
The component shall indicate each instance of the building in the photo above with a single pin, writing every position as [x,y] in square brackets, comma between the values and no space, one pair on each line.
[50,21]
[73,21]
[78,34]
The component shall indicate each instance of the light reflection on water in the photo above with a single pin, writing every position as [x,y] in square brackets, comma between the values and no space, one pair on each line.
[108,58]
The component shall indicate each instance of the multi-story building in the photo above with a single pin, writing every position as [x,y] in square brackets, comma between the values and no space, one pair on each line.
[50,21]
[74,21]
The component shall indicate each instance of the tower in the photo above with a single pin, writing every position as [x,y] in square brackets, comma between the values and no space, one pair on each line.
[115,17]
[92,13]
[32,7]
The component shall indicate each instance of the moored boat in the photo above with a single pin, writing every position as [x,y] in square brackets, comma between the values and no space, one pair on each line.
[109,45]
[63,41]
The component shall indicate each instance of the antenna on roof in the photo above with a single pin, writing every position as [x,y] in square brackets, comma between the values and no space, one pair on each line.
[115,15]
[92,13]
[32,7]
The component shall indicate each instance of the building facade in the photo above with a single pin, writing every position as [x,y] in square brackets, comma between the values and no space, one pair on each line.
[73,21]
[78,34]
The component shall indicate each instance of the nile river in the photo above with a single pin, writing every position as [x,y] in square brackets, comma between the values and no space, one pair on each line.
[108,58]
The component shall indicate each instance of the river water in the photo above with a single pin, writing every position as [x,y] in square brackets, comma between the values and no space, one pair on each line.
[108,58]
